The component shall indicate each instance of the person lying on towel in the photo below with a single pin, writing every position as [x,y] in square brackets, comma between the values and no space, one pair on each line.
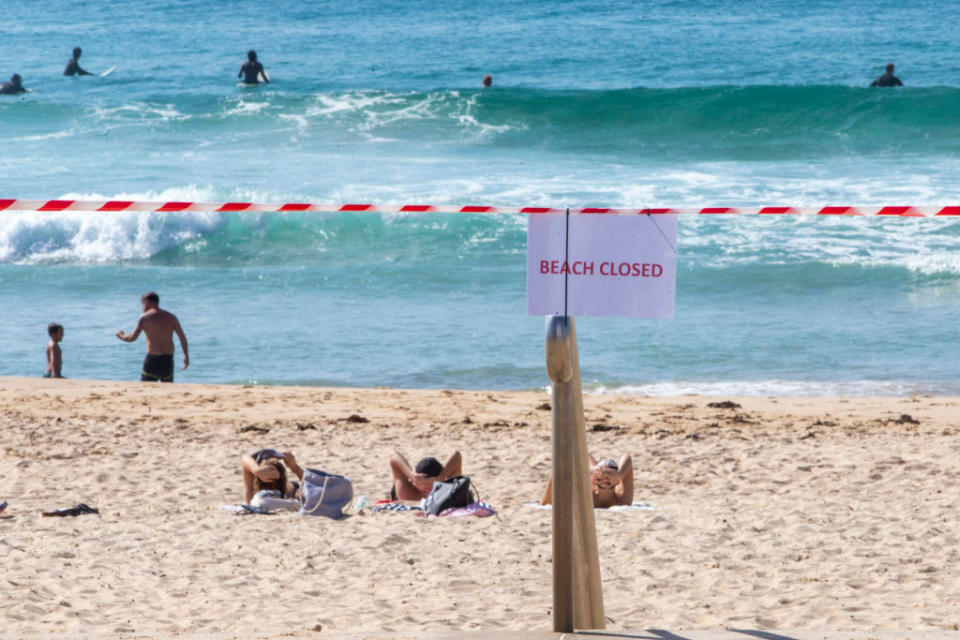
[416,483]
[612,483]
[266,469]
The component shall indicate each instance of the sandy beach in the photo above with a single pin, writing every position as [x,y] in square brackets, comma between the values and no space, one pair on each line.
[778,513]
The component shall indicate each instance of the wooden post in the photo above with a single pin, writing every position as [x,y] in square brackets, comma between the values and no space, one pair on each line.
[588,590]
[560,370]
[577,591]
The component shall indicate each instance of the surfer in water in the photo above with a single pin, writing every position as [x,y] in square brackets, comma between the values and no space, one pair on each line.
[73,67]
[13,87]
[252,71]
[887,79]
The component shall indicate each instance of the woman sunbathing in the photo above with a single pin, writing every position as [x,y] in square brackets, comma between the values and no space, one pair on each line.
[410,484]
[265,470]
[612,483]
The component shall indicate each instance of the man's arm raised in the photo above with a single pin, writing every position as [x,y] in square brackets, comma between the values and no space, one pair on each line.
[131,337]
[453,468]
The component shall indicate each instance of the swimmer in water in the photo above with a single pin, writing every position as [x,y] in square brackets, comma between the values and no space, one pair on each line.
[251,71]
[73,67]
[887,79]
[488,80]
[13,87]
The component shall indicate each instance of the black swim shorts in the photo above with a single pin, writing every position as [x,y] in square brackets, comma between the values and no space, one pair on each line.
[157,368]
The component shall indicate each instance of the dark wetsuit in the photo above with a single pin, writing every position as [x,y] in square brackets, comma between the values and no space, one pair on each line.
[8,88]
[74,69]
[157,368]
[251,72]
[887,80]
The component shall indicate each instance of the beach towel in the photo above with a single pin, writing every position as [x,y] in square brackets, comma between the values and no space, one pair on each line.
[324,494]
[235,508]
[479,509]
[246,510]
[636,506]
[394,506]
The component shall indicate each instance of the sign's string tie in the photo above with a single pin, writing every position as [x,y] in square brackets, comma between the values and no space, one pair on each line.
[665,238]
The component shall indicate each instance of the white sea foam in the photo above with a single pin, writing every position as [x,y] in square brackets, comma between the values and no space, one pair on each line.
[96,238]
[916,245]
[328,104]
[134,111]
[403,110]
[47,136]
[927,246]
[297,119]
[93,237]
[372,115]
[780,388]
[369,137]
[36,237]
[243,107]
[465,116]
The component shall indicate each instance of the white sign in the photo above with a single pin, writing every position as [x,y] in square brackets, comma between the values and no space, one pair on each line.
[601,265]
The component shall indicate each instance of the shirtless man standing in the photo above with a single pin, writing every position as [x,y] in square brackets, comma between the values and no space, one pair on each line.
[159,327]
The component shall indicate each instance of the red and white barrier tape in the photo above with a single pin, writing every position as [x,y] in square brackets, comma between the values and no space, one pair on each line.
[236,207]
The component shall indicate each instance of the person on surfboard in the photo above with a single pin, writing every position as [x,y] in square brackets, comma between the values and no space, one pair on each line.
[14,86]
[73,67]
[251,71]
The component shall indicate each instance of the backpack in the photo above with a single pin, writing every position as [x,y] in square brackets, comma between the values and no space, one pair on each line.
[324,494]
[452,493]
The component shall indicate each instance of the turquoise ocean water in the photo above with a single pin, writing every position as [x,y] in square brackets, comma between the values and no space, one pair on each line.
[594,103]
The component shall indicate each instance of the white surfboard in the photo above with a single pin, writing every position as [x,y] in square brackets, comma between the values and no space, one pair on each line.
[108,72]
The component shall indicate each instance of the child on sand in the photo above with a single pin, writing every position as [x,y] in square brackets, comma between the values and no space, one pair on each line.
[54,355]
